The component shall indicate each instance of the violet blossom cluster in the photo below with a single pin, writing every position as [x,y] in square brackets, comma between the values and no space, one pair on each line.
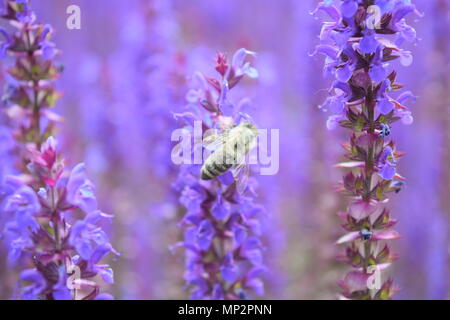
[359,48]
[50,220]
[223,257]
[43,229]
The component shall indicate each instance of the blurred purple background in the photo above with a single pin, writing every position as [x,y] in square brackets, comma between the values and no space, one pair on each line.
[128,68]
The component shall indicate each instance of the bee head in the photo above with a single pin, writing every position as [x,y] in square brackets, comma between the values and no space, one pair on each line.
[248,125]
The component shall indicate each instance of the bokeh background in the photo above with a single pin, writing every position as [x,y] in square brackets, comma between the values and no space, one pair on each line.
[129,67]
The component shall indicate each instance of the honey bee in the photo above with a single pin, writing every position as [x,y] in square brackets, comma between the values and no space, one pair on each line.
[230,150]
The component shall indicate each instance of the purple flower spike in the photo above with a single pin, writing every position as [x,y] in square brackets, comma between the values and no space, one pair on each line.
[84,241]
[220,226]
[62,250]
[362,100]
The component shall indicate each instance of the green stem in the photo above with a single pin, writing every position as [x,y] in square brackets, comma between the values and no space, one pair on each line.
[56,220]
[370,105]
[36,123]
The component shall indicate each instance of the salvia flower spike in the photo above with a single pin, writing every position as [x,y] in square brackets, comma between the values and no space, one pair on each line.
[50,215]
[360,45]
[223,256]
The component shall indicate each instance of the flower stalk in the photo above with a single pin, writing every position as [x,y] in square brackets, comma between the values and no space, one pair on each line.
[221,227]
[42,205]
[360,44]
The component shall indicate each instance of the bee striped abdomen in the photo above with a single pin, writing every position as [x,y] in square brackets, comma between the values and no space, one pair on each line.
[214,166]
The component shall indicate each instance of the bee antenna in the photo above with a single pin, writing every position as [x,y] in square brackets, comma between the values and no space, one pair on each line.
[245,116]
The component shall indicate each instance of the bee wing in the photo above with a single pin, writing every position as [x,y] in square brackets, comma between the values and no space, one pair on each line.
[214,141]
[241,174]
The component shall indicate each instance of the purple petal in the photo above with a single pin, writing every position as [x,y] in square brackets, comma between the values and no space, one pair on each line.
[104,296]
[257,285]
[230,273]
[239,57]
[329,9]
[405,96]
[220,209]
[377,73]
[80,190]
[327,50]
[349,8]
[217,293]
[333,121]
[100,252]
[387,172]
[344,74]
[226,178]
[62,293]
[205,233]
[107,275]
[407,118]
[401,12]
[385,106]
[368,43]
[240,234]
